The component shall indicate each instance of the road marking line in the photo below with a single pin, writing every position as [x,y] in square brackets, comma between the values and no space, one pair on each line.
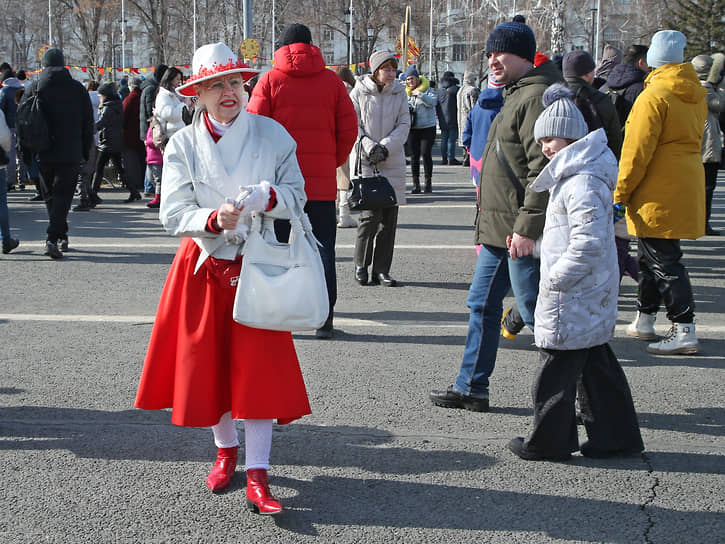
[341,321]
[175,245]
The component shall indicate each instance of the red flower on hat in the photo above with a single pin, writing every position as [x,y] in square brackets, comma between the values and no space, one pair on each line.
[216,68]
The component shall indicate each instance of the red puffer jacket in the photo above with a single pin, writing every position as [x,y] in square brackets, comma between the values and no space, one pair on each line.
[311,102]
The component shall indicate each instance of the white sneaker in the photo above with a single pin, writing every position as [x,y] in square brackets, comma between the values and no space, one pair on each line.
[346,221]
[643,327]
[680,340]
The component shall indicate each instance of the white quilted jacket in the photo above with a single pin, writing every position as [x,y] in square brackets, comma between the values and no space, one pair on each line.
[577,304]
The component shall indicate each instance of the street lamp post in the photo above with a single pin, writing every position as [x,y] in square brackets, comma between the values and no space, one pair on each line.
[350,45]
[123,35]
[347,22]
[593,8]
[371,35]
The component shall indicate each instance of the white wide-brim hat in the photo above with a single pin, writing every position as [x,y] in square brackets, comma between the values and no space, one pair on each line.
[211,61]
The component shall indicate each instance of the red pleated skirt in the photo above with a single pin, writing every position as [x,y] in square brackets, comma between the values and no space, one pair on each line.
[202,364]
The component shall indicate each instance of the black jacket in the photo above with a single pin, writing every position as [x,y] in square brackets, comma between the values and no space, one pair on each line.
[149,88]
[604,109]
[69,115]
[110,125]
[447,107]
[626,79]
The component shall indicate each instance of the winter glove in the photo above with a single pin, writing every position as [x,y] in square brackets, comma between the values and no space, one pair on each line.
[237,235]
[253,198]
[377,154]
[618,211]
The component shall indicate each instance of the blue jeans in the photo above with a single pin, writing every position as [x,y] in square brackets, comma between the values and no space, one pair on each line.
[449,142]
[495,274]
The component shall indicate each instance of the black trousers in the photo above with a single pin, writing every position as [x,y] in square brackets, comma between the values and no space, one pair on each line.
[101,160]
[135,163]
[376,239]
[663,278]
[421,141]
[58,183]
[711,169]
[607,409]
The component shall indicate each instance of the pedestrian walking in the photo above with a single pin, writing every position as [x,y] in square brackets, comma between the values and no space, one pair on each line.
[203,365]
[660,184]
[422,101]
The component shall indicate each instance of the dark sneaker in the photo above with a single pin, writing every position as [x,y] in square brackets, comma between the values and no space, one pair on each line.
[63,244]
[511,324]
[36,198]
[82,207]
[450,398]
[454,162]
[517,446]
[52,250]
[9,245]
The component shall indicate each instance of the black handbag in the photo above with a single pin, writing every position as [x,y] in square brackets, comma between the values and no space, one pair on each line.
[370,193]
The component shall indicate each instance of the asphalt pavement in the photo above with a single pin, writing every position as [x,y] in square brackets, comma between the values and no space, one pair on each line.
[376,461]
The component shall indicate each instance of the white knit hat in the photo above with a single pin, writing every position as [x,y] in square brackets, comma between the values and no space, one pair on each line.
[561,118]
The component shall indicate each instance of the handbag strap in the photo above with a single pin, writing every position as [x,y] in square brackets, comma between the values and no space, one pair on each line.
[299,221]
[358,162]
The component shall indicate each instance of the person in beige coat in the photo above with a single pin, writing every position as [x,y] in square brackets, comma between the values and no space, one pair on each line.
[710,75]
[344,220]
[381,105]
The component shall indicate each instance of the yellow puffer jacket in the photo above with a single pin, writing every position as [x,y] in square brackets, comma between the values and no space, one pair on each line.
[661,177]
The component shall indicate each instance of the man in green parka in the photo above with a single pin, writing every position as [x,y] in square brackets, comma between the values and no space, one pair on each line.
[511,216]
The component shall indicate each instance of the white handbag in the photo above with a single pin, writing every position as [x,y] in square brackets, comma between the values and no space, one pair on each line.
[281,286]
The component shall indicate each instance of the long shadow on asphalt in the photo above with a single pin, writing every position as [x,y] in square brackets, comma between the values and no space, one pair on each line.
[379,501]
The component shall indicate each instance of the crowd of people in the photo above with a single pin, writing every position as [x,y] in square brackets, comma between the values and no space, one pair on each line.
[571,160]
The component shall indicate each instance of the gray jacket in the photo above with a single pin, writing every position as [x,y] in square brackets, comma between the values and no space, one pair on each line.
[712,139]
[577,303]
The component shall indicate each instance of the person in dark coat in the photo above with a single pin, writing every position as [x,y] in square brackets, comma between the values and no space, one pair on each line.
[110,141]
[134,150]
[70,121]
[627,80]
[149,88]
[447,110]
[578,67]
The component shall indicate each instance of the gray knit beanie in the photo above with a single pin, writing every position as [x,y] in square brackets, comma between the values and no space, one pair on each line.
[378,58]
[561,118]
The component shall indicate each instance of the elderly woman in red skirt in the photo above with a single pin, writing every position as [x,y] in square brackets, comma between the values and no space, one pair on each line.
[207,368]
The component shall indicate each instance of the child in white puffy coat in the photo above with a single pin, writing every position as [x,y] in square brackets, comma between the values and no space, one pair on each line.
[576,309]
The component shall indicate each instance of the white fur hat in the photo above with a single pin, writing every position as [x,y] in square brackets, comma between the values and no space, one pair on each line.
[211,61]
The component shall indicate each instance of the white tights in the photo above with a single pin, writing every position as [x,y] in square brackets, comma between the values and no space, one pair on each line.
[257,439]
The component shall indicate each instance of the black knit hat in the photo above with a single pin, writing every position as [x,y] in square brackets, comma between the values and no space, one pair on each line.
[516,38]
[295,33]
[577,63]
[108,90]
[53,57]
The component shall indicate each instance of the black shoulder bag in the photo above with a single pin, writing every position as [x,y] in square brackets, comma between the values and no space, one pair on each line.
[370,193]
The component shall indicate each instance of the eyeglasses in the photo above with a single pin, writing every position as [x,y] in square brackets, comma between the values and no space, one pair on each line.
[218,85]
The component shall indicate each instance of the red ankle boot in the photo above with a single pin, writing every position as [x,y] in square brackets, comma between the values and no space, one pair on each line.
[259,498]
[223,470]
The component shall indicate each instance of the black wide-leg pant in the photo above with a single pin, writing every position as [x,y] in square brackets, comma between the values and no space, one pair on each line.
[608,410]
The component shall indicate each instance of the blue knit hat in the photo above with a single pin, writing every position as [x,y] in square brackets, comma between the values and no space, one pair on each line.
[516,38]
[667,47]
[411,71]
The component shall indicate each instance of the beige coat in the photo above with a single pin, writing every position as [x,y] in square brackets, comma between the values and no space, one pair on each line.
[383,118]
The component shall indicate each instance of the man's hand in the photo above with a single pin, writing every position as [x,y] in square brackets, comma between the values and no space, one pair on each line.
[519,246]
[228,216]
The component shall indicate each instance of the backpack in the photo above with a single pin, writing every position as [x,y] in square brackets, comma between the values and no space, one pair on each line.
[32,126]
[158,134]
[620,104]
[588,110]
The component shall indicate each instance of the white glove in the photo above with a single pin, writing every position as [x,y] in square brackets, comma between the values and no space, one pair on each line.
[253,198]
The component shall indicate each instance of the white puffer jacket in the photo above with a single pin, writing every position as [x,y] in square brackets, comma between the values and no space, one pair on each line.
[383,118]
[577,304]
[169,109]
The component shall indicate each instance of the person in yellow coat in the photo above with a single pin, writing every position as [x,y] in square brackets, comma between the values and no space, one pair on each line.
[660,183]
